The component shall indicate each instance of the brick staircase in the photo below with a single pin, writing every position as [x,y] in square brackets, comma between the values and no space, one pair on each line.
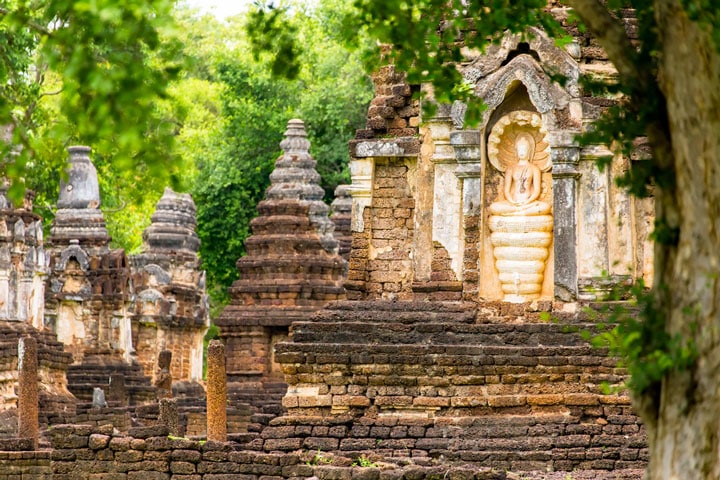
[454,382]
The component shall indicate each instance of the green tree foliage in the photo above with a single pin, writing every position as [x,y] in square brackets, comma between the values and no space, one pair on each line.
[330,93]
[77,72]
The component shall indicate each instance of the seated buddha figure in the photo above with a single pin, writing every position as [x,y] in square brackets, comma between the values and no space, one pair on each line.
[522,185]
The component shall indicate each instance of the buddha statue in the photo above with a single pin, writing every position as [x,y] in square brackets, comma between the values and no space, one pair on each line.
[521,223]
[523,184]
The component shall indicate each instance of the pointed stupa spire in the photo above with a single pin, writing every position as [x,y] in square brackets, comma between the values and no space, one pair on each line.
[295,141]
[295,176]
[78,216]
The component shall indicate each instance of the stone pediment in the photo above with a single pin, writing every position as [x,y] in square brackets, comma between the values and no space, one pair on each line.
[532,62]
[74,251]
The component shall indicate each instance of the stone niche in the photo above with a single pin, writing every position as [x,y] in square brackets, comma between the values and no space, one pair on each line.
[572,234]
[517,242]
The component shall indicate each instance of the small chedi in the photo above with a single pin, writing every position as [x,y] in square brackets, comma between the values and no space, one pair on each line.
[291,269]
[89,289]
[171,307]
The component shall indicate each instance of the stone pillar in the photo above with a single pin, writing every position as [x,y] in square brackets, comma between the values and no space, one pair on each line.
[447,191]
[168,415]
[28,390]
[362,171]
[435,148]
[216,393]
[163,380]
[565,159]
[342,217]
[468,153]
[116,390]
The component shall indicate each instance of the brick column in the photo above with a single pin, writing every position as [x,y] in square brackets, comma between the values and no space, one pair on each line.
[28,390]
[216,393]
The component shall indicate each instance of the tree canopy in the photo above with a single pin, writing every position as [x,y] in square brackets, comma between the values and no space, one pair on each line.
[87,73]
[329,92]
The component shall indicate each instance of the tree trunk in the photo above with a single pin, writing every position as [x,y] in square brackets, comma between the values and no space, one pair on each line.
[684,421]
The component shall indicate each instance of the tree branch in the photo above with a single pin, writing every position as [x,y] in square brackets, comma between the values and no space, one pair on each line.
[30,23]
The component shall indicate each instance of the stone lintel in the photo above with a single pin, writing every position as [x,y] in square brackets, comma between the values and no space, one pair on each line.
[385,147]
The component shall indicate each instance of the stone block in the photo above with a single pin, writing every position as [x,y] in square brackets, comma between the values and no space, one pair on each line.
[580,399]
[282,444]
[97,441]
[542,400]
[129,456]
[183,468]
[321,443]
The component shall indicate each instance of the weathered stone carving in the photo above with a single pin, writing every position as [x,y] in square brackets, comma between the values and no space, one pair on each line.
[341,217]
[521,224]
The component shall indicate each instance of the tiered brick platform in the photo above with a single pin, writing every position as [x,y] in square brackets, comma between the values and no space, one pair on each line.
[493,385]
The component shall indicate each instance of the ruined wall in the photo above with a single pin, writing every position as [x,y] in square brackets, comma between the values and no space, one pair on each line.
[389,264]
[98,453]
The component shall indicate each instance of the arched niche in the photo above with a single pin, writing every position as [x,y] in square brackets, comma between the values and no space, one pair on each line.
[517,75]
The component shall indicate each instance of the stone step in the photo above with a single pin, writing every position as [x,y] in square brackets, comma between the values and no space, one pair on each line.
[427,354]
[437,332]
[518,442]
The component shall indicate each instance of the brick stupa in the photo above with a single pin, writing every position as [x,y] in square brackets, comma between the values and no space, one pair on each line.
[88,289]
[292,268]
[171,305]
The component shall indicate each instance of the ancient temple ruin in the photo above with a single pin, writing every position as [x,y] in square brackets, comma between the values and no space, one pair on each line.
[88,305]
[541,223]
[467,241]
[88,291]
[476,254]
